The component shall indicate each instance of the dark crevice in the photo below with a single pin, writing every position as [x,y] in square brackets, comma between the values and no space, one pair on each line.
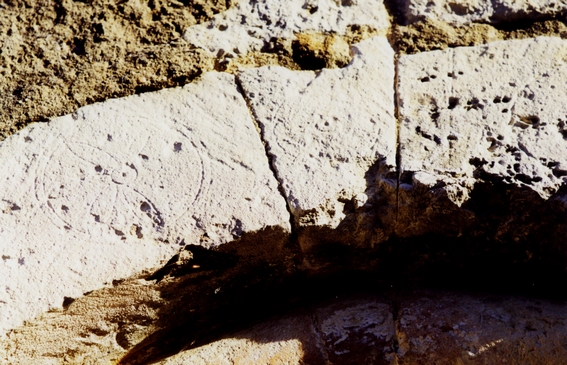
[527,22]
[392,39]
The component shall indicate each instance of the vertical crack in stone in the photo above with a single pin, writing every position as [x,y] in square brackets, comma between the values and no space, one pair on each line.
[293,240]
[392,38]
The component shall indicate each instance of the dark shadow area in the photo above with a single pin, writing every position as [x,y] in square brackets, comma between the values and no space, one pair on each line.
[521,21]
[505,240]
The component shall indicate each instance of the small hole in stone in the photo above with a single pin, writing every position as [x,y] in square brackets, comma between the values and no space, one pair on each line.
[108,137]
[453,102]
[424,79]
[67,301]
[118,232]
[177,146]
[433,76]
[450,74]
[64,208]
[145,207]
[144,157]
[506,99]
[460,72]
[27,139]
[98,168]
[500,137]
[497,100]
[223,27]
[504,110]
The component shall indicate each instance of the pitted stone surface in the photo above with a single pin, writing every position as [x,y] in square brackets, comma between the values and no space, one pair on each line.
[454,328]
[496,109]
[459,12]
[359,331]
[250,25]
[117,187]
[324,130]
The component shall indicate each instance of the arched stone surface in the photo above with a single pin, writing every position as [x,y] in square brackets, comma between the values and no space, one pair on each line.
[118,187]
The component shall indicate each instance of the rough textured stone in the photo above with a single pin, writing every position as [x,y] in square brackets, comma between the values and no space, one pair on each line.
[252,25]
[329,133]
[459,12]
[355,330]
[483,114]
[117,187]
[453,328]
[289,340]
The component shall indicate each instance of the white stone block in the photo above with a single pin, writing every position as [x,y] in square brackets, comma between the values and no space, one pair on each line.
[324,130]
[117,187]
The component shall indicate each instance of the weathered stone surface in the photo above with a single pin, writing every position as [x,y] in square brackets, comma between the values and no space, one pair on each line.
[460,12]
[453,328]
[117,187]
[289,340]
[355,330]
[480,135]
[251,25]
[145,318]
[329,134]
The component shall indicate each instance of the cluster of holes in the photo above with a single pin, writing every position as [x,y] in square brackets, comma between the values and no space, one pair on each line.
[433,77]
[434,138]
[555,170]
[474,103]
[494,142]
[505,100]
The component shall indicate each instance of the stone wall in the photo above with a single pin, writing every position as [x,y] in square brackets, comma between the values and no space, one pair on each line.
[173,173]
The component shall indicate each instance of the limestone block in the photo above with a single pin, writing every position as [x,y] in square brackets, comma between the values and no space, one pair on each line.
[117,188]
[251,24]
[459,12]
[452,328]
[492,114]
[329,133]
